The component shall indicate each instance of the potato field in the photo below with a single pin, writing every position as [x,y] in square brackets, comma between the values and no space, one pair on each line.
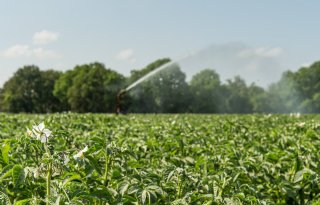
[104,159]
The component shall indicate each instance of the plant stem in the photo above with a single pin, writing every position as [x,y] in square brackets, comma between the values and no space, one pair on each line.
[49,182]
[105,177]
[179,187]
[66,195]
[49,173]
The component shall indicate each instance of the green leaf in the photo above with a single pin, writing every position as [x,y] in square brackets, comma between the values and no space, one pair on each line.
[240,196]
[4,199]
[235,178]
[6,172]
[112,192]
[76,201]
[133,189]
[72,178]
[299,175]
[94,163]
[23,202]
[57,202]
[206,196]
[170,175]
[143,196]
[129,199]
[18,175]
[123,188]
[5,153]
[97,140]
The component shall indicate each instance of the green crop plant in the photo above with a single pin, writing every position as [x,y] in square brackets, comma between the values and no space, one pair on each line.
[159,159]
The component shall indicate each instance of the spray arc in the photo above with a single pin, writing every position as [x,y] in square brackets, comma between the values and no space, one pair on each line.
[122,92]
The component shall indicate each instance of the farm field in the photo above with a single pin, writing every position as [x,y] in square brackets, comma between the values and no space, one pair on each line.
[159,159]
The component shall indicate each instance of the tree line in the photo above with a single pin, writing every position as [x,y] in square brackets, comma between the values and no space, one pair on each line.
[93,88]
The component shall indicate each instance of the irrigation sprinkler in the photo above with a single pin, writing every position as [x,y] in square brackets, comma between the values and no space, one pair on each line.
[118,101]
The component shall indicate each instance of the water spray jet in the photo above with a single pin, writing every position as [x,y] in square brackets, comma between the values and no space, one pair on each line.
[145,77]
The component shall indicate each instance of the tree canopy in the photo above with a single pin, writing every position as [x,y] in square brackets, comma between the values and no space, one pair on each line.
[89,88]
[205,88]
[93,88]
[30,90]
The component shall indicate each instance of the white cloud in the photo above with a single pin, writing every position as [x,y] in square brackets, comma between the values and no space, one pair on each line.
[126,55]
[18,51]
[45,37]
[25,50]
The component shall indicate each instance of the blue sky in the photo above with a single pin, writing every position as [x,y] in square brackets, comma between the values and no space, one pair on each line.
[255,39]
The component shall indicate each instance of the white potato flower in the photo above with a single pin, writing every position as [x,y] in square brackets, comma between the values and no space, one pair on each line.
[40,132]
[30,133]
[301,124]
[80,154]
[66,160]
[36,173]
[296,115]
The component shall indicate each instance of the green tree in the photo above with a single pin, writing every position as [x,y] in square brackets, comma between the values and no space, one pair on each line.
[237,97]
[89,88]
[21,92]
[205,89]
[62,85]
[141,99]
[257,98]
[282,96]
[30,90]
[47,101]
[170,90]
[1,108]
[307,81]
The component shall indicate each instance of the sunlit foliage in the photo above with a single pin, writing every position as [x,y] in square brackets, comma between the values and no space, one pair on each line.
[159,159]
